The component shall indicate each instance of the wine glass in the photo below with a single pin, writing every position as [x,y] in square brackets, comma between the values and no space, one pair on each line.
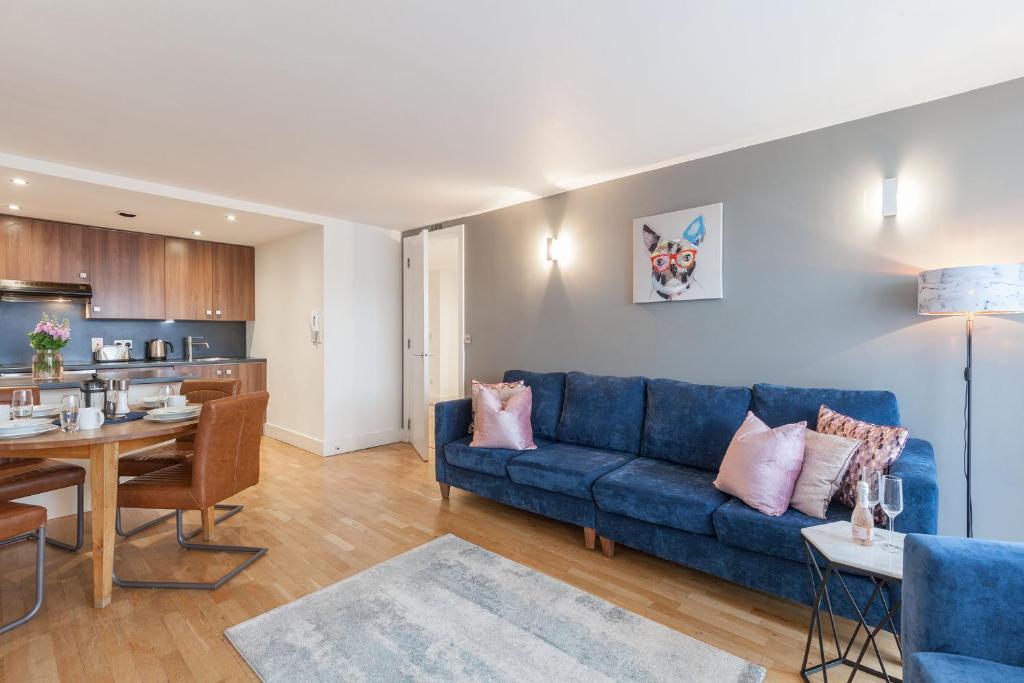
[892,505]
[165,392]
[69,406]
[21,404]
[874,482]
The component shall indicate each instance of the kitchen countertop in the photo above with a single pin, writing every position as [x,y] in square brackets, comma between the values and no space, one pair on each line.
[138,371]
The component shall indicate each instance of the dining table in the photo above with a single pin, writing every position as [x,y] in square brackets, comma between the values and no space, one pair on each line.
[101,447]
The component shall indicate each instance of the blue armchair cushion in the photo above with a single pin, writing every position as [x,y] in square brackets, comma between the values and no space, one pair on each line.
[486,460]
[565,468]
[741,526]
[662,493]
[963,596]
[603,412]
[548,389]
[778,405]
[940,667]
[692,424]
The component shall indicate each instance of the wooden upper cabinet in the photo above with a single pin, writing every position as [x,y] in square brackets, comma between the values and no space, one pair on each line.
[234,282]
[188,279]
[127,275]
[45,251]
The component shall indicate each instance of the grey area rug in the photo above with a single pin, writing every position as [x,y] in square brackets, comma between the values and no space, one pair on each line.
[452,611]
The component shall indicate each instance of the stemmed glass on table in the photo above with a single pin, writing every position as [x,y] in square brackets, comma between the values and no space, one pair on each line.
[891,496]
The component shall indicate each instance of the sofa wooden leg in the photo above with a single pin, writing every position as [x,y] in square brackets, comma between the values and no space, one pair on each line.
[607,547]
[445,489]
[589,537]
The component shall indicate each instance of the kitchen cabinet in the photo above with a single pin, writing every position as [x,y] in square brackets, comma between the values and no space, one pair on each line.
[253,375]
[188,279]
[234,282]
[127,275]
[45,251]
[209,281]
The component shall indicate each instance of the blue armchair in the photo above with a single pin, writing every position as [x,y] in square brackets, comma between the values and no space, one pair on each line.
[963,610]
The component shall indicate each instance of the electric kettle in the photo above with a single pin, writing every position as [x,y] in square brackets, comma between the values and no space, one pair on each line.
[156,349]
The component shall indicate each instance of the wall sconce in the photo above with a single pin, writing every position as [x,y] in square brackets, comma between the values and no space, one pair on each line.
[553,249]
[890,188]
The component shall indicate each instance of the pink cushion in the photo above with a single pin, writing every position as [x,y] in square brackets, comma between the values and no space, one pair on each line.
[503,418]
[762,464]
[505,389]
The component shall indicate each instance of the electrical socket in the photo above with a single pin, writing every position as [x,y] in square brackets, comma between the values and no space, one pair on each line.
[127,343]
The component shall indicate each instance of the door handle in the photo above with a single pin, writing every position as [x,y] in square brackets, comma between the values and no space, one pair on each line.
[423,355]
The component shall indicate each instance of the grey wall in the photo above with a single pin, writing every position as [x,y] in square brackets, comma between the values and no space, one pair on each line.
[16,319]
[818,290]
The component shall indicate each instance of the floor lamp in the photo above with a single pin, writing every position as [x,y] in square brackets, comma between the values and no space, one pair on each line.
[970,291]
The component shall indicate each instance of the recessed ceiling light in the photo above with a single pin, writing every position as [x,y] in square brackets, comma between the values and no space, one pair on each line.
[231,217]
[127,214]
[19,181]
[14,207]
[197,233]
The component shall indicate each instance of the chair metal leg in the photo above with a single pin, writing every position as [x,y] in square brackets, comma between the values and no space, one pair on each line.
[232,511]
[79,526]
[40,535]
[255,554]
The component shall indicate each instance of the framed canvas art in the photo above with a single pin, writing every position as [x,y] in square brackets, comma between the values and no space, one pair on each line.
[677,256]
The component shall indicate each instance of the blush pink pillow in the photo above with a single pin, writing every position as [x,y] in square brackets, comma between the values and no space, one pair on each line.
[503,418]
[762,464]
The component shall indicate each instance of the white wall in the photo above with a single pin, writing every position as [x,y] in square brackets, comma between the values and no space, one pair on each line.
[289,286]
[362,337]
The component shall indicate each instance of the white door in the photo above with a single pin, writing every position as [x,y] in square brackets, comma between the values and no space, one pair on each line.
[416,325]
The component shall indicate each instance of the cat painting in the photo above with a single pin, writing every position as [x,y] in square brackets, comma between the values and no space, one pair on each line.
[678,256]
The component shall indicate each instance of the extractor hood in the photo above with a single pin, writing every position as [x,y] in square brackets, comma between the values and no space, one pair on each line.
[29,290]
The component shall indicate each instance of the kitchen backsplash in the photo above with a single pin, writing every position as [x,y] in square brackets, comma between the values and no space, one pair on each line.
[16,319]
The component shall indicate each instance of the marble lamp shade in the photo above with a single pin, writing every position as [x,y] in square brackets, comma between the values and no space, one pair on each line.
[967,290]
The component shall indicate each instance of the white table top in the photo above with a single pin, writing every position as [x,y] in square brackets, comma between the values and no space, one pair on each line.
[835,542]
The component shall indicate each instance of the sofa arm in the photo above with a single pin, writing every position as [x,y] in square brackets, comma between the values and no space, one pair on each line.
[963,596]
[451,422]
[916,466]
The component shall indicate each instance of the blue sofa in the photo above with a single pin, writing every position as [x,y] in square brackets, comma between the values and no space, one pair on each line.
[633,460]
[962,618]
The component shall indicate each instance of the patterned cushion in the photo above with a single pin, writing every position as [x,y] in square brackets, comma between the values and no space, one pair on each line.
[879,448]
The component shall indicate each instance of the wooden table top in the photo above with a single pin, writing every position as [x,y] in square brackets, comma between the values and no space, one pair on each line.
[108,433]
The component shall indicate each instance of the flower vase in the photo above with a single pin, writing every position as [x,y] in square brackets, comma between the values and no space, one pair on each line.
[47,364]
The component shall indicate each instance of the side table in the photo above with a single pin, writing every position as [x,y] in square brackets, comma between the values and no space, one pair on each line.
[834,543]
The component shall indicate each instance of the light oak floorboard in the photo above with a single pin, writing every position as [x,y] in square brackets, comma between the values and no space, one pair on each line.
[325,519]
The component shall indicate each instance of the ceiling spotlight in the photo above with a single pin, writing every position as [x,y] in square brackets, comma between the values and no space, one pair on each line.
[231,217]
[19,181]
[196,233]
[127,214]
[14,207]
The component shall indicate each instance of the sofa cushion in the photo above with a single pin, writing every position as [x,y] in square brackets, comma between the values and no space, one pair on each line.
[603,412]
[741,526]
[692,424]
[779,405]
[565,468]
[485,460]
[662,493]
[942,667]
[548,389]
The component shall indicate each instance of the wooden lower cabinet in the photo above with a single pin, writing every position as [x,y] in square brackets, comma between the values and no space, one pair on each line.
[253,375]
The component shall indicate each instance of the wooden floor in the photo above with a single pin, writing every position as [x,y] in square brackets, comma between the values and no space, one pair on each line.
[325,519]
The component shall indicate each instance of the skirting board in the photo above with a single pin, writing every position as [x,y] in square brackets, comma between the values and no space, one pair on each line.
[361,441]
[297,439]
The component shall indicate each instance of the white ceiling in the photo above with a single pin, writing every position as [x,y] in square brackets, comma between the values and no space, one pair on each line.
[60,199]
[399,113]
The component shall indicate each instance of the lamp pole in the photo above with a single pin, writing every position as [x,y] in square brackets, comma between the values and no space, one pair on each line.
[968,372]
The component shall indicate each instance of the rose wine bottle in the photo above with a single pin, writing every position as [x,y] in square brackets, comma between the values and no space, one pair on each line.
[863,520]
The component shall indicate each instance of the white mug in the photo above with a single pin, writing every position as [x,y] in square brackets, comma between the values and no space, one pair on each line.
[90,418]
[5,412]
[176,401]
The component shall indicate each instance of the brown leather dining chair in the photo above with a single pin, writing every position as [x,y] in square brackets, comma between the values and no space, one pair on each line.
[175,452]
[20,522]
[226,461]
[21,477]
